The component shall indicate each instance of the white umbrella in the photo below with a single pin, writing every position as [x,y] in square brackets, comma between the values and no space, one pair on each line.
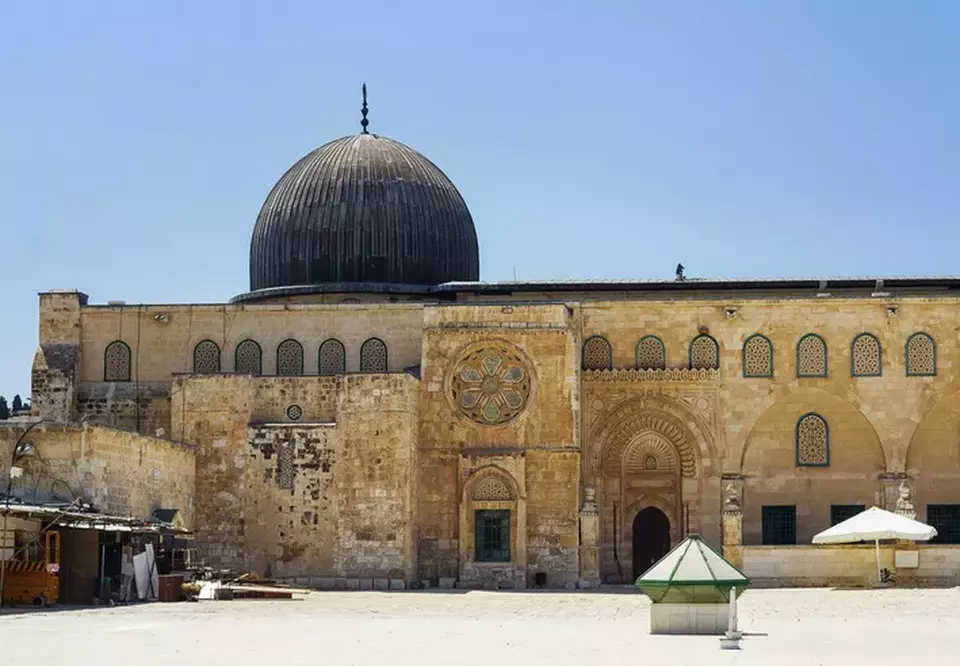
[875,524]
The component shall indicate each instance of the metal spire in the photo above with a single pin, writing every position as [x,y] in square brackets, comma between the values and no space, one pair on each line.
[364,122]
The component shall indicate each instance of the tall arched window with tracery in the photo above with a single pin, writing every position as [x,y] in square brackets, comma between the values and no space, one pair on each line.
[921,355]
[116,362]
[206,358]
[332,359]
[289,358]
[597,354]
[651,354]
[812,441]
[248,358]
[866,357]
[704,353]
[811,356]
[757,356]
[373,356]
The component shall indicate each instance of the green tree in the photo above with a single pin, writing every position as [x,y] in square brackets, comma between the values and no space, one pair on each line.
[17,403]
[4,409]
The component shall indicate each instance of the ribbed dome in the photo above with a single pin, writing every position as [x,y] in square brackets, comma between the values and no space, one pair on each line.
[364,209]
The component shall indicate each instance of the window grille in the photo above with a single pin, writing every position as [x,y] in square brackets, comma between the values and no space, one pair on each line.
[865,356]
[116,362]
[373,356]
[842,512]
[946,519]
[285,472]
[492,536]
[704,353]
[813,441]
[757,357]
[332,358]
[811,356]
[289,358]
[206,358]
[248,358]
[651,354]
[921,355]
[779,525]
[597,354]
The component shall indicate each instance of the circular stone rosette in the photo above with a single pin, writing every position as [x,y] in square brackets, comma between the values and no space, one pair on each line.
[491,385]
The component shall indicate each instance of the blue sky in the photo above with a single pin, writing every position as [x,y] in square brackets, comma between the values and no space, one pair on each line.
[590,139]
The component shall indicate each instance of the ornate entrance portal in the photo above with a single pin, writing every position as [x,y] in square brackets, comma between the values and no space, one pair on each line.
[651,539]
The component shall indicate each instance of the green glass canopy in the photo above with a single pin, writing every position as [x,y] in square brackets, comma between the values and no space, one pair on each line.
[691,573]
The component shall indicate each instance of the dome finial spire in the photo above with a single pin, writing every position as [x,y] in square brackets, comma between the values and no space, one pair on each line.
[364,122]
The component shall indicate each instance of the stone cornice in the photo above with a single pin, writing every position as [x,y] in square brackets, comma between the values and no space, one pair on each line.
[652,375]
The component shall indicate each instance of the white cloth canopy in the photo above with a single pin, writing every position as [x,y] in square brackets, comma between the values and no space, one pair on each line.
[875,524]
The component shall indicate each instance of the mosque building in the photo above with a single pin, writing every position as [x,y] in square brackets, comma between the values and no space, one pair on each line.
[370,411]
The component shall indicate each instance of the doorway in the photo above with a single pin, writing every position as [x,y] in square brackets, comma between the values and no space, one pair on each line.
[651,539]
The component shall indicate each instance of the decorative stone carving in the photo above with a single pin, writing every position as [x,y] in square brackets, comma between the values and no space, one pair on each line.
[653,375]
[905,505]
[491,385]
[589,500]
[731,498]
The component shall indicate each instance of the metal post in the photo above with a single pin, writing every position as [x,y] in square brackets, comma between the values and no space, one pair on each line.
[879,571]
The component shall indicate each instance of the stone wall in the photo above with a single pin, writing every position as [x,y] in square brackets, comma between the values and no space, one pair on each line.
[118,472]
[328,495]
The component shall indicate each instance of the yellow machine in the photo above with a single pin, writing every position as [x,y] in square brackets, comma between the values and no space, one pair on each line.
[34,582]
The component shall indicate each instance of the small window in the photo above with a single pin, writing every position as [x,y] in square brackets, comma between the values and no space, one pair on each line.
[651,354]
[116,362]
[865,356]
[289,358]
[779,525]
[248,358]
[704,353]
[813,441]
[285,470]
[492,536]
[757,357]
[946,519]
[597,354]
[206,358]
[842,512]
[332,358]
[811,356]
[373,356]
[921,356]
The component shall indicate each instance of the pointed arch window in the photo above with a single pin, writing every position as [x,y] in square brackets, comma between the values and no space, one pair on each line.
[812,441]
[651,353]
[921,355]
[866,358]
[116,362]
[811,356]
[597,354]
[704,353]
[758,356]
[373,356]
[206,358]
[248,358]
[289,358]
[332,358]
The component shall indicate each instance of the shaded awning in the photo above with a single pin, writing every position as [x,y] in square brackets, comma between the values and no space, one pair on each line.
[77,517]
[876,524]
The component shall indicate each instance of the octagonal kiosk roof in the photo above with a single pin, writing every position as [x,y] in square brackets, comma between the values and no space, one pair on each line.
[691,573]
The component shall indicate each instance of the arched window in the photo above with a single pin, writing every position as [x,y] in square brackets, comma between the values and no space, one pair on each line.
[332,358]
[865,356]
[493,504]
[757,356]
[248,358]
[597,354]
[813,441]
[811,356]
[116,362]
[206,358]
[651,354]
[373,356]
[289,358]
[704,353]
[921,355]
[492,488]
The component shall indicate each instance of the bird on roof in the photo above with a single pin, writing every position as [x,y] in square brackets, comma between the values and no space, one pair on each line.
[679,271]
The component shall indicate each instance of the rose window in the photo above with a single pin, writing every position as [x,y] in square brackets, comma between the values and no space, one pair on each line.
[491,386]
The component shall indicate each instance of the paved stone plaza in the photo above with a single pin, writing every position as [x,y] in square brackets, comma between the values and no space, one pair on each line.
[783,627]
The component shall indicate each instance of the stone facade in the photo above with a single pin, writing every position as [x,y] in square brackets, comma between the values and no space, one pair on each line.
[602,426]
